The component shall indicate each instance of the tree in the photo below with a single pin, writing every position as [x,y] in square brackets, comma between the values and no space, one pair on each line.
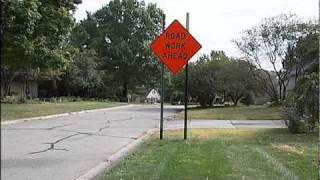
[17,28]
[248,98]
[303,107]
[265,46]
[205,77]
[307,97]
[303,58]
[238,80]
[34,37]
[82,75]
[217,74]
[120,33]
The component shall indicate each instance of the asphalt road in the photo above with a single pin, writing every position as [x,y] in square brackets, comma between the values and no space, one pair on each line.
[65,148]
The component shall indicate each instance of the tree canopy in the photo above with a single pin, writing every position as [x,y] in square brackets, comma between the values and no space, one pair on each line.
[34,36]
[120,34]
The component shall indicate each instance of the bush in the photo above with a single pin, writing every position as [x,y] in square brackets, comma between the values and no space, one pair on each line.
[262,100]
[53,99]
[177,97]
[17,99]
[295,122]
[67,99]
[248,99]
[273,104]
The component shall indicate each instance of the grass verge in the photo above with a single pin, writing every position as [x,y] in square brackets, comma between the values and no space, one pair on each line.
[17,111]
[235,113]
[222,154]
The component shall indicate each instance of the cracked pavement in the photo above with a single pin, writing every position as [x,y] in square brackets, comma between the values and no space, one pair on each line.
[64,148]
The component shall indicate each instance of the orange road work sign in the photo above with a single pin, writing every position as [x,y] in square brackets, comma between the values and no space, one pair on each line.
[175,46]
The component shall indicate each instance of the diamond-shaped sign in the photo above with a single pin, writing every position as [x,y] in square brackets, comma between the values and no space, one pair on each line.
[175,46]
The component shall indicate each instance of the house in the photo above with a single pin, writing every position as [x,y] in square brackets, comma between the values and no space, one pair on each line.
[153,96]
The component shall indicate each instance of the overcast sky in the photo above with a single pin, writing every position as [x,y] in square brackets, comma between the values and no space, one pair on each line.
[214,23]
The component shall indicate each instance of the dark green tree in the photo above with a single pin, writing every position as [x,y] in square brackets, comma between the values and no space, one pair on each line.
[83,78]
[238,80]
[34,36]
[121,33]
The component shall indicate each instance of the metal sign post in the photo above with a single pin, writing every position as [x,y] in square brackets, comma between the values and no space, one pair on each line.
[186,91]
[162,84]
[174,48]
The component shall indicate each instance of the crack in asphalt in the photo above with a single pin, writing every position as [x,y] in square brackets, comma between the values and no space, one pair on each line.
[109,121]
[125,119]
[52,144]
[55,128]
[95,134]
[78,132]
[59,126]
[103,128]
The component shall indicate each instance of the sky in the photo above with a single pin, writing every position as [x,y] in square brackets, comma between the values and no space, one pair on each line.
[215,23]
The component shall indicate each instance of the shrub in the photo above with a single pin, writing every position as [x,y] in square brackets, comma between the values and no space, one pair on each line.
[177,97]
[248,99]
[16,99]
[53,99]
[22,99]
[296,123]
[261,100]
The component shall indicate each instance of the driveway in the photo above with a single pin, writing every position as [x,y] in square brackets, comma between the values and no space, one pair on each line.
[67,147]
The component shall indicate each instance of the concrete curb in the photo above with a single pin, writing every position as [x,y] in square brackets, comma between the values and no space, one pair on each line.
[107,164]
[62,115]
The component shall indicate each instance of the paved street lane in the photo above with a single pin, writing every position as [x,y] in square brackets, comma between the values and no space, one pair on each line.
[65,148]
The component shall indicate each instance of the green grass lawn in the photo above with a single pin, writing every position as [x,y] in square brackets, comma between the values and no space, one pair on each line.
[17,111]
[221,154]
[240,112]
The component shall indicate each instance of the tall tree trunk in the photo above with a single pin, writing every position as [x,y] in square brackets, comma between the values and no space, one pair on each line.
[55,87]
[235,103]
[284,95]
[280,90]
[7,78]
[125,90]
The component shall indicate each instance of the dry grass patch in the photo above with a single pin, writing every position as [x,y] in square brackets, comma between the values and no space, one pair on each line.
[288,148]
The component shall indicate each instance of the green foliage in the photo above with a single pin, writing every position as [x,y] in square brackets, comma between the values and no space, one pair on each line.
[82,76]
[302,105]
[307,97]
[217,75]
[269,44]
[34,36]
[295,123]
[261,100]
[248,99]
[238,80]
[303,58]
[120,34]
[14,99]
[177,97]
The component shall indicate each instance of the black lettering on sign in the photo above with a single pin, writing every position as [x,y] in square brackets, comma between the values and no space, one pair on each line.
[175,35]
[175,45]
[174,55]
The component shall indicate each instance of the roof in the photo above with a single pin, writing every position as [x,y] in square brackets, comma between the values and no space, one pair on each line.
[153,94]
